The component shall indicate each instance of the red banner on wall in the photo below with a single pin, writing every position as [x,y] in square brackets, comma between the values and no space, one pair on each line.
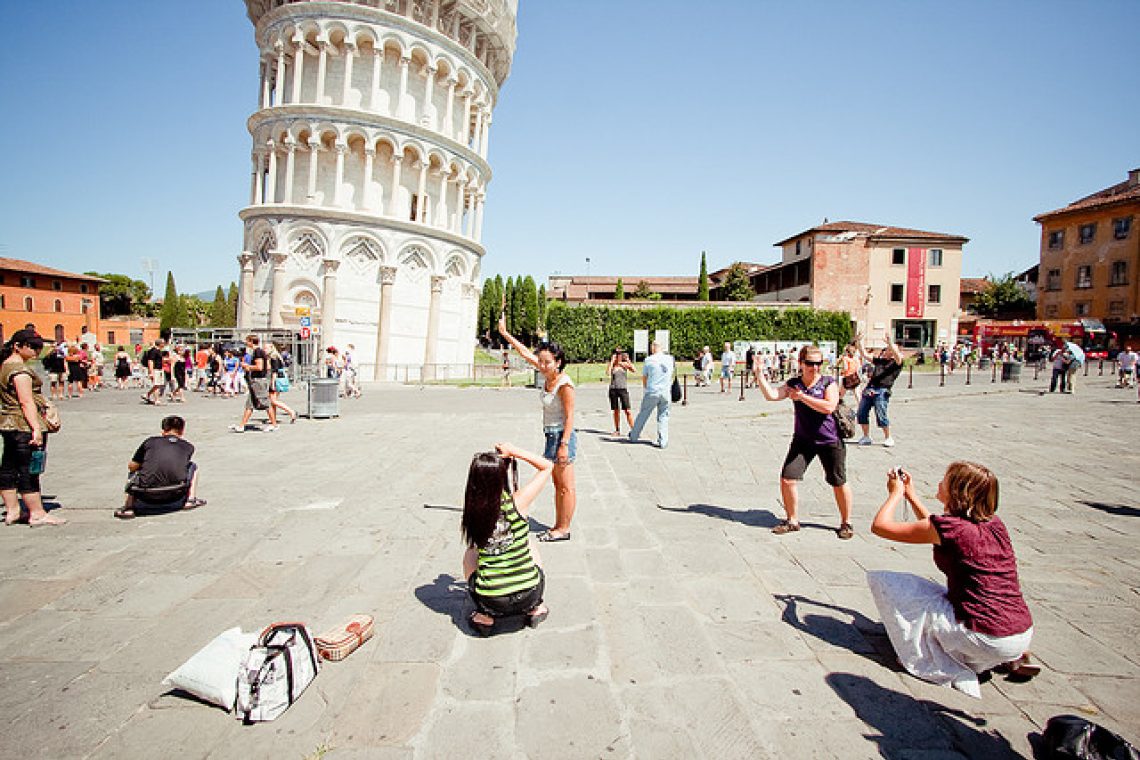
[915,282]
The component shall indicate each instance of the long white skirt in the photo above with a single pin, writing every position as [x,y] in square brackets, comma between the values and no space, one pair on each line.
[929,641]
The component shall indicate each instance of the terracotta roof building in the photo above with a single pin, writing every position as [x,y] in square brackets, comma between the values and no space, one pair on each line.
[1090,258]
[60,305]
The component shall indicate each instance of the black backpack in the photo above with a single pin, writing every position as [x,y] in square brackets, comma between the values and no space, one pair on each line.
[1069,737]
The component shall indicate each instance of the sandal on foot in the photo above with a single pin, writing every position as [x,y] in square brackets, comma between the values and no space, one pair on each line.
[125,514]
[845,531]
[534,618]
[47,520]
[786,526]
[17,520]
[548,536]
[1022,669]
[482,629]
[194,503]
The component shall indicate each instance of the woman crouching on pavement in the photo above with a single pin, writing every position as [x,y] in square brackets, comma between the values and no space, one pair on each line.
[977,622]
[503,571]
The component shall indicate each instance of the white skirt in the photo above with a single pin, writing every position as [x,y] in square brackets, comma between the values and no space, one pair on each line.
[928,639]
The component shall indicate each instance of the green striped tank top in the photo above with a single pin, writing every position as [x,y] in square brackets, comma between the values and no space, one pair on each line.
[505,563]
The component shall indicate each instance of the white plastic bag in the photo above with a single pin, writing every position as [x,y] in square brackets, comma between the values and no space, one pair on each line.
[212,673]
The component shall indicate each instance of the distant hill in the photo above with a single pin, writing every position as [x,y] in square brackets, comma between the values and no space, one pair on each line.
[206,295]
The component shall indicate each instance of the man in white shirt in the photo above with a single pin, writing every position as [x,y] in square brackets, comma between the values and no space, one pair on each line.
[1127,359]
[727,363]
[657,377]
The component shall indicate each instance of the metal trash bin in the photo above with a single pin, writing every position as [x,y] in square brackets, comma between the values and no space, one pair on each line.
[323,401]
[1011,372]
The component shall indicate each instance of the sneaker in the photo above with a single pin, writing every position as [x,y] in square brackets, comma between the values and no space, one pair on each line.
[864,441]
[268,428]
[237,429]
[888,442]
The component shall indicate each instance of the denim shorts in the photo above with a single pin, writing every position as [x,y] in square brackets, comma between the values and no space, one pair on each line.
[554,438]
[877,399]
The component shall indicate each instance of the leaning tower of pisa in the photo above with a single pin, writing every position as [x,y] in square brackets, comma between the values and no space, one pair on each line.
[369,173]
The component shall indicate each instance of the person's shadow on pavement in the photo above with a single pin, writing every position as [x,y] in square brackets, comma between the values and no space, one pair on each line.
[905,727]
[860,635]
[757,518]
[448,596]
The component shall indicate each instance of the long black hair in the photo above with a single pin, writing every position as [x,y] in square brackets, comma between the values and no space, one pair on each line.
[28,338]
[489,476]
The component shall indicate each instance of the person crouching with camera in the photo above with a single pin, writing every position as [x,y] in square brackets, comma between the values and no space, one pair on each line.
[979,620]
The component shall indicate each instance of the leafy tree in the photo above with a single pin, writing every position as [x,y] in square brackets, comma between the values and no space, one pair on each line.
[219,309]
[1003,297]
[171,314]
[193,311]
[121,295]
[703,282]
[643,290]
[737,286]
[619,291]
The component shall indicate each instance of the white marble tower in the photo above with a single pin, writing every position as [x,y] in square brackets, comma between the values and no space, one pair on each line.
[369,172]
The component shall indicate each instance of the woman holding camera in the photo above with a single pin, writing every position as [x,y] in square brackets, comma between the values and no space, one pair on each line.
[979,620]
[22,431]
[618,371]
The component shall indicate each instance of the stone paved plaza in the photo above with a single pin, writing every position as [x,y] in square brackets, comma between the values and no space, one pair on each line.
[680,627]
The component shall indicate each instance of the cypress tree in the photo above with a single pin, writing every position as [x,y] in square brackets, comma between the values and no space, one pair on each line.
[530,307]
[619,291]
[541,321]
[219,309]
[171,307]
[232,302]
[509,292]
[703,282]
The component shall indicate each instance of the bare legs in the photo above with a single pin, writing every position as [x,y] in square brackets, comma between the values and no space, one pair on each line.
[790,494]
[565,498]
[35,505]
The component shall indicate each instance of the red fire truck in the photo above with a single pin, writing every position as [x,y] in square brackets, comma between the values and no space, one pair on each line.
[1036,339]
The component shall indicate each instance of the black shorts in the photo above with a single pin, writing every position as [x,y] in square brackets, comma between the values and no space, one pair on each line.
[619,399]
[833,457]
[16,462]
[511,604]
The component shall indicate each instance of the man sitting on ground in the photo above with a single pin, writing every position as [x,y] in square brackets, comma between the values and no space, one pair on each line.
[162,479]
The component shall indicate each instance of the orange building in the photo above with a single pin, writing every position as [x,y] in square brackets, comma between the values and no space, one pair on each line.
[61,305]
[1090,258]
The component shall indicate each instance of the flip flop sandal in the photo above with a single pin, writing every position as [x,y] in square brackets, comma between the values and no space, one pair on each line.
[193,503]
[482,629]
[125,514]
[532,621]
[548,537]
[786,526]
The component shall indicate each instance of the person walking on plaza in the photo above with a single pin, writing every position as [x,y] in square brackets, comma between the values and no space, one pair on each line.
[258,379]
[1127,361]
[979,620]
[727,364]
[76,373]
[152,360]
[814,396]
[122,368]
[162,477]
[1060,370]
[1076,361]
[22,429]
[618,371]
[503,571]
[706,366]
[886,367]
[556,394]
[657,378]
[56,367]
[276,374]
[351,379]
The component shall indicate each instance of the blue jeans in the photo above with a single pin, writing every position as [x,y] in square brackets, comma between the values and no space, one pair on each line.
[877,398]
[649,403]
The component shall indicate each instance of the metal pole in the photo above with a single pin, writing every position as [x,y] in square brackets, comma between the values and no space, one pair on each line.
[967,373]
[685,389]
[993,374]
[1102,367]
[1086,368]
[741,386]
[941,374]
[910,378]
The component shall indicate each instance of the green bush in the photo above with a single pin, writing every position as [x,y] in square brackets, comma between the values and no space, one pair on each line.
[590,333]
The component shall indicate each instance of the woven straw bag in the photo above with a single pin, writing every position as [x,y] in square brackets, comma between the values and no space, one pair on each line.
[337,643]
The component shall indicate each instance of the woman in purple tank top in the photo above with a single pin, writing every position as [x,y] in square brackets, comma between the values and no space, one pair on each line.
[979,620]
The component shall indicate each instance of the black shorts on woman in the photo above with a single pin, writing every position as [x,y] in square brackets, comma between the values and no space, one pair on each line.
[519,603]
[816,435]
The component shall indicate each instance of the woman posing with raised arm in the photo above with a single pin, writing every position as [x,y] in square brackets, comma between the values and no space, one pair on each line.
[977,622]
[504,573]
[557,397]
[618,371]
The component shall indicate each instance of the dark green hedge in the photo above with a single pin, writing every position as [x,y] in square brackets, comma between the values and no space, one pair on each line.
[589,333]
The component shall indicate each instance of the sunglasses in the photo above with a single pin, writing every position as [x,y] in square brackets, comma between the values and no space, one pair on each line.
[813,364]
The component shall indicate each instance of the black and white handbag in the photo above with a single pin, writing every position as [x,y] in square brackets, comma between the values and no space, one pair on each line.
[276,671]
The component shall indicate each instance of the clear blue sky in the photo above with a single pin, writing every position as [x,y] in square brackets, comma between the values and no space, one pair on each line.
[635,133]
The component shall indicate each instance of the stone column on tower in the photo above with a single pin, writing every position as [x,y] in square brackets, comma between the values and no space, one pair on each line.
[429,87]
[374,90]
[279,85]
[271,174]
[298,65]
[322,68]
[349,54]
[384,321]
[394,193]
[314,154]
[338,194]
[245,291]
[405,61]
[366,188]
[421,193]
[328,303]
[290,159]
[430,355]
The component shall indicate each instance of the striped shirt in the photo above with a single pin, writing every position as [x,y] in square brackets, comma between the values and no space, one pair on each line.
[505,563]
